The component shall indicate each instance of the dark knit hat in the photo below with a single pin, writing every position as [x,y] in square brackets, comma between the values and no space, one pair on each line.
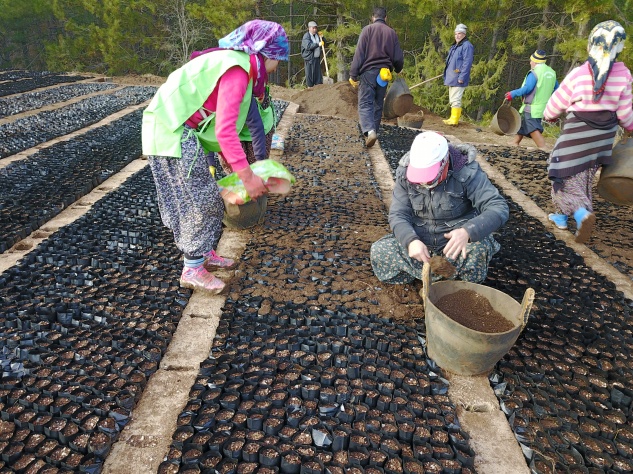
[538,56]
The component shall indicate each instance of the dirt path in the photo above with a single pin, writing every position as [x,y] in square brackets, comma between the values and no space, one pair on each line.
[340,100]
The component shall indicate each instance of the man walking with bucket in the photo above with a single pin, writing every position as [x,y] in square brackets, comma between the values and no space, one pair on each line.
[377,53]
[538,86]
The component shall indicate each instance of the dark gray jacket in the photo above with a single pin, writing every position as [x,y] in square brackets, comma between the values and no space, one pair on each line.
[466,198]
[378,46]
[309,49]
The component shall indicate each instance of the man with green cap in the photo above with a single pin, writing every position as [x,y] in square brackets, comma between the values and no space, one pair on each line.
[538,86]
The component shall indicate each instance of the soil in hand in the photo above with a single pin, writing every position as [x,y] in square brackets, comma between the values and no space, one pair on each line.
[442,267]
[474,311]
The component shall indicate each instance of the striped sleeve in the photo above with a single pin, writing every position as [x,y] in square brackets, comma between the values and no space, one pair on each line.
[575,94]
[625,109]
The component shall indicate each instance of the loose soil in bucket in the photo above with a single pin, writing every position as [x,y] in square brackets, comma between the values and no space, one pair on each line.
[470,309]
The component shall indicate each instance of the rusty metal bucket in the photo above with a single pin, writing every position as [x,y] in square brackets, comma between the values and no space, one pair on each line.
[461,350]
[398,100]
[507,121]
[616,180]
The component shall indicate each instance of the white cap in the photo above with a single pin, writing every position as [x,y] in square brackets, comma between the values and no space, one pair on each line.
[312,23]
[425,158]
[461,28]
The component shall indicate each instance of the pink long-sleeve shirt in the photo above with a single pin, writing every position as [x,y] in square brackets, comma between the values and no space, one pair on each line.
[576,92]
[225,101]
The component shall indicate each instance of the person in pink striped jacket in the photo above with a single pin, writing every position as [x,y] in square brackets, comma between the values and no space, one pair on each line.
[596,97]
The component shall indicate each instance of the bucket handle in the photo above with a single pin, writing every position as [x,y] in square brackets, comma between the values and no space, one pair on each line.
[426,281]
[526,306]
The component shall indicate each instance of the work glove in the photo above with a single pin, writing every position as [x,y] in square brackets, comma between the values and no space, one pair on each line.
[509,96]
[321,43]
[252,183]
[354,83]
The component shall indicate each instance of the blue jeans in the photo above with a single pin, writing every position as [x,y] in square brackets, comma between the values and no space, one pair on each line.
[371,98]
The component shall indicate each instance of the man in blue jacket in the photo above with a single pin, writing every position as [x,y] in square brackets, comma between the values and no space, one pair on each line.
[457,72]
[443,203]
[378,47]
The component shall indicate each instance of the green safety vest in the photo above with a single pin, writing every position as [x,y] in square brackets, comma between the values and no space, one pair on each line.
[535,101]
[184,92]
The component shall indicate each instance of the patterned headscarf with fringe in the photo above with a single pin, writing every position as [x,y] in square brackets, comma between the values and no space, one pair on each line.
[606,41]
[259,36]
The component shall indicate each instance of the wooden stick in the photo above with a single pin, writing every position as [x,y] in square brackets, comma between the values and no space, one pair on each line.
[526,306]
[424,82]
[426,283]
[327,71]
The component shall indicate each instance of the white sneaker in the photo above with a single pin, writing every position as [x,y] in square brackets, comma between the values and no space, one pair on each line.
[371,138]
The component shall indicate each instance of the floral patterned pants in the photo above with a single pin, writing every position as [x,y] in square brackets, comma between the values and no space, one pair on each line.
[188,198]
[392,264]
[576,193]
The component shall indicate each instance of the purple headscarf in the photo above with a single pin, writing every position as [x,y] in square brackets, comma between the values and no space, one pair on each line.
[259,36]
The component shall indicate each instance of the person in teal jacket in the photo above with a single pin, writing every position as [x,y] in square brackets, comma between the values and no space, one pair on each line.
[538,86]
[201,110]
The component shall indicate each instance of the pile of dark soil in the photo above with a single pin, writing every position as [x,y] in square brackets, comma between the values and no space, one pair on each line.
[473,311]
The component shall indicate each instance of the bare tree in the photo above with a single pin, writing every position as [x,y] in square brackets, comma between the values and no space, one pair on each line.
[183,32]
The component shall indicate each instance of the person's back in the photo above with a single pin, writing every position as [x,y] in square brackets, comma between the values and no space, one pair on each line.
[597,99]
[378,47]
[535,101]
[576,94]
[377,53]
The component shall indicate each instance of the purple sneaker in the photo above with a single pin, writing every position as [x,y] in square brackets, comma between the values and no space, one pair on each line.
[213,260]
[199,278]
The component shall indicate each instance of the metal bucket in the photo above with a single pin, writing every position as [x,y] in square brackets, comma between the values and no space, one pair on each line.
[616,180]
[246,215]
[507,121]
[411,120]
[398,100]
[461,350]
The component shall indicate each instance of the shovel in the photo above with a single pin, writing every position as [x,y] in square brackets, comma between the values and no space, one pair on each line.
[327,79]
